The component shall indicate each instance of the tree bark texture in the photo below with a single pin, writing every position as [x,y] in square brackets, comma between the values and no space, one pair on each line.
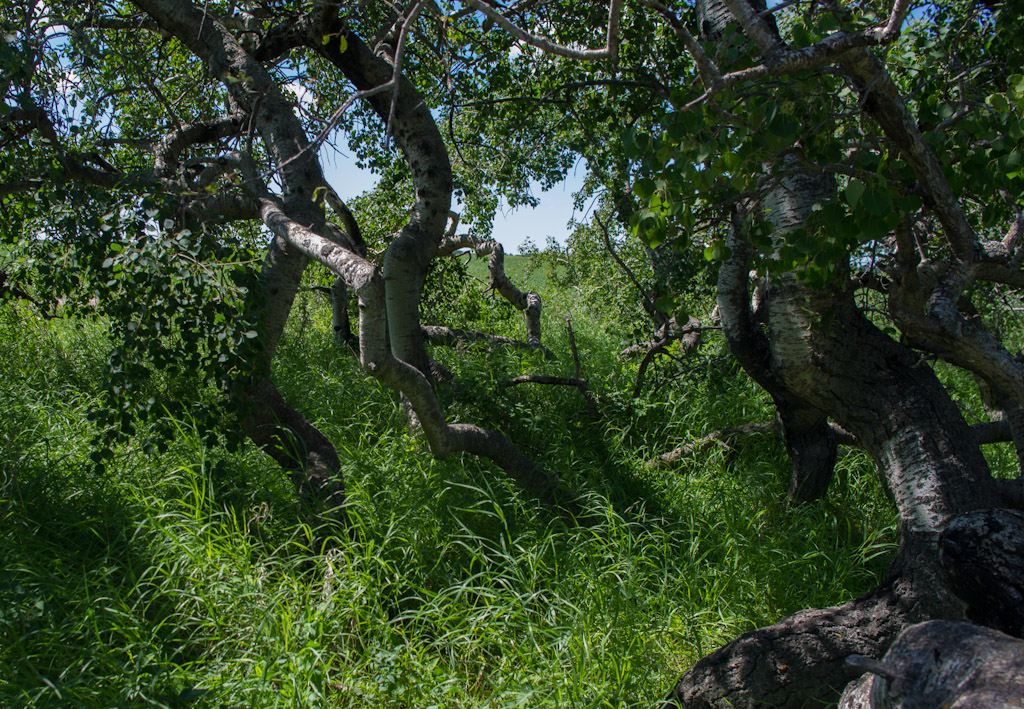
[878,391]
[295,444]
[391,340]
[944,664]
[809,439]
[821,359]
[983,556]
[528,302]
[416,134]
[270,422]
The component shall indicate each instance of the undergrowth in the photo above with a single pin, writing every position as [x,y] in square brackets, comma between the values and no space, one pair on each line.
[192,578]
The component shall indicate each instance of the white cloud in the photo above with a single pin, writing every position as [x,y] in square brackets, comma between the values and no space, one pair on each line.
[303,95]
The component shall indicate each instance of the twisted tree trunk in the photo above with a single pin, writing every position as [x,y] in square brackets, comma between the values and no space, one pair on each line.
[821,359]
[874,388]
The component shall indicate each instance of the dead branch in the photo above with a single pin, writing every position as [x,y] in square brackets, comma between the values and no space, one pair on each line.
[451,337]
[690,335]
[984,433]
[574,381]
[580,384]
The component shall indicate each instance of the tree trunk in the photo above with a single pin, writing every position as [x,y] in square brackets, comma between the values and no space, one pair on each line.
[876,389]
[812,447]
[339,315]
[809,439]
[983,556]
[295,444]
[268,420]
[943,664]
[821,355]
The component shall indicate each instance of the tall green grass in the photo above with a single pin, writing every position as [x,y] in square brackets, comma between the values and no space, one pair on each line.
[192,579]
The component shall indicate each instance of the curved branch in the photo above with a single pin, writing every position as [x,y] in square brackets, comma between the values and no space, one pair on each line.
[609,51]
[529,302]
[169,148]
[378,359]
[415,132]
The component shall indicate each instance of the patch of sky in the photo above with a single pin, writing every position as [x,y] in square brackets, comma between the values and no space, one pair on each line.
[513,227]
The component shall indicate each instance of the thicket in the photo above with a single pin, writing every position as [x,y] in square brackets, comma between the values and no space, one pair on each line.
[192,578]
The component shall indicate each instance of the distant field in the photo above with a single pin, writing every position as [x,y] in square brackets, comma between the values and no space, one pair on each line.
[516,268]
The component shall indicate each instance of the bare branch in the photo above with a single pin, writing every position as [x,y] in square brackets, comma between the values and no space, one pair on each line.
[709,72]
[609,51]
[891,30]
[335,120]
[727,436]
[577,382]
[572,346]
[450,336]
[527,301]
[171,145]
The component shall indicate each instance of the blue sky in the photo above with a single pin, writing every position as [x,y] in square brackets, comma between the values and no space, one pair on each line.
[511,227]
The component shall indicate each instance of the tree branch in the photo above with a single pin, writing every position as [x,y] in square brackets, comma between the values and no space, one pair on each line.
[609,51]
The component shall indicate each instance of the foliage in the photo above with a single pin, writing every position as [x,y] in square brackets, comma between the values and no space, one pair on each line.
[148,157]
[734,146]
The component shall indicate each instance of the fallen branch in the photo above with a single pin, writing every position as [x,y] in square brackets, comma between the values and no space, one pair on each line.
[575,381]
[450,337]
[690,335]
[528,302]
[723,438]
[984,433]
[726,436]
[580,384]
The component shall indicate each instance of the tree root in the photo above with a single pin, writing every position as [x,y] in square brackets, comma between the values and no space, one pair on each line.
[943,664]
[800,660]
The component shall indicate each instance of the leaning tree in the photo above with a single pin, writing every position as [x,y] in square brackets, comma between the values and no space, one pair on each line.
[156,150]
[863,165]
[857,166]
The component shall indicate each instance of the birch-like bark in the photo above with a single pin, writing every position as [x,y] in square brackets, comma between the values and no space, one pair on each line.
[825,353]
[409,254]
[528,302]
[268,420]
[390,342]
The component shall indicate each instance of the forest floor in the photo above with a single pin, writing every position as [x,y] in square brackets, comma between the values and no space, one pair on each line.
[191,578]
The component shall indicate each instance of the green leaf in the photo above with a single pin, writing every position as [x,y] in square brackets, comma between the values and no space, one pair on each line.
[342,42]
[911,203]
[717,251]
[1015,85]
[629,142]
[643,188]
[998,102]
[853,192]
[877,202]
[665,304]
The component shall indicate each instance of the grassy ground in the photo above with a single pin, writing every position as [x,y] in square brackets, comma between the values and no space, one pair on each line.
[191,579]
